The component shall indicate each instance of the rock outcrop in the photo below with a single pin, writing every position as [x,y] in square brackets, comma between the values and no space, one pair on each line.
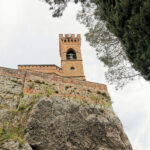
[52,120]
[64,124]
[15,145]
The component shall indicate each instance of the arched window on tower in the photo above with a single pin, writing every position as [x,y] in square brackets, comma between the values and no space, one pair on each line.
[71,55]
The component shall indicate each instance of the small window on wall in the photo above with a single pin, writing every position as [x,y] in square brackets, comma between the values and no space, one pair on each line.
[72,68]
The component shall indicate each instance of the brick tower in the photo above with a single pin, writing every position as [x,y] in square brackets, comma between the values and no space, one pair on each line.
[71,59]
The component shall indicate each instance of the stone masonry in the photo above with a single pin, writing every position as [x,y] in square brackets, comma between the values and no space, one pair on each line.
[60,86]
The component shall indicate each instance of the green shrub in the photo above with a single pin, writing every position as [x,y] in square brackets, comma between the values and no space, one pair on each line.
[22,105]
[48,92]
[95,98]
[106,104]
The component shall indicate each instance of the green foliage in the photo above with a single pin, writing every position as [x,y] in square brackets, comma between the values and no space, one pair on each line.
[58,6]
[1,131]
[10,136]
[48,92]
[22,107]
[106,104]
[16,131]
[129,21]
[9,131]
[95,97]
[104,95]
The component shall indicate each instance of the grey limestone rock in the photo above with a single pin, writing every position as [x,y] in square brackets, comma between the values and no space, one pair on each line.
[14,145]
[63,124]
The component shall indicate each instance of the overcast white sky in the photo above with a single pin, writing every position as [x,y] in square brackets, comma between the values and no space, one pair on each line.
[29,35]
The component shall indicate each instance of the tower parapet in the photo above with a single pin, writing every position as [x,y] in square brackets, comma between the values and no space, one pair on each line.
[70,38]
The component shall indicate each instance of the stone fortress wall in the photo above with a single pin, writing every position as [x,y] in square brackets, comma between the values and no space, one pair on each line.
[36,83]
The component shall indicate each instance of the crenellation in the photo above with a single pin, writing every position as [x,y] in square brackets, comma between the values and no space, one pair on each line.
[72,36]
[66,35]
[78,36]
[67,38]
[60,36]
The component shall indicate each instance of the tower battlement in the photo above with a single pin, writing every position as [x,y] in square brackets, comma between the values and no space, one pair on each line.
[70,38]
